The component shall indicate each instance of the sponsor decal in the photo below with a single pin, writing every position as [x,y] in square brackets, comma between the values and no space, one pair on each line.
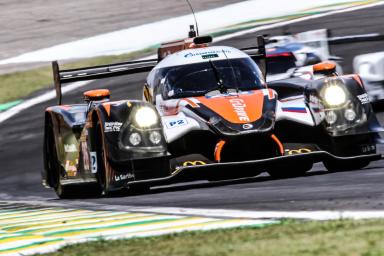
[364,99]
[122,177]
[298,151]
[192,54]
[70,168]
[93,162]
[314,99]
[229,94]
[247,126]
[210,56]
[239,107]
[70,148]
[112,126]
[194,163]
[176,123]
[368,148]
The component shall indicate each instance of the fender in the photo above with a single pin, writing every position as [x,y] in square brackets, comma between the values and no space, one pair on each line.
[66,123]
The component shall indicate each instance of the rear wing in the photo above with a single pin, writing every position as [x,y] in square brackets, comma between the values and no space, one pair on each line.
[60,77]
[355,39]
[97,72]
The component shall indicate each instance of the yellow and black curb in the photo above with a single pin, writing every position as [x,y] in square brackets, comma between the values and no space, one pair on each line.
[26,229]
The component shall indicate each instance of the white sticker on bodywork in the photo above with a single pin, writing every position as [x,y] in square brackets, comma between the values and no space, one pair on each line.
[112,126]
[176,123]
[364,99]
[93,162]
[70,148]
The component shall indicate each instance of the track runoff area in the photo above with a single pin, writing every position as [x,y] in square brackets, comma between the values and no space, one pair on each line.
[43,225]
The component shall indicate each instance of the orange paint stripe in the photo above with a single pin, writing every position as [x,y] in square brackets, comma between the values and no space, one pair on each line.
[193,104]
[218,149]
[107,107]
[279,144]
[271,95]
[358,80]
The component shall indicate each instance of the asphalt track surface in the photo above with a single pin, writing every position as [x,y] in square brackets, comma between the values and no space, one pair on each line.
[21,151]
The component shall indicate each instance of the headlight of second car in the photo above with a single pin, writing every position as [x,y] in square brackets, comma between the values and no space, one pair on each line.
[334,94]
[342,111]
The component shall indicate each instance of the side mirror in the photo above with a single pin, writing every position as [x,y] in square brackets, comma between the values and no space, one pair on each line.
[202,40]
[325,68]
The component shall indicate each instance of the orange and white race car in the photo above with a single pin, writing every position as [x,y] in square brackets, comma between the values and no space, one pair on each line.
[206,113]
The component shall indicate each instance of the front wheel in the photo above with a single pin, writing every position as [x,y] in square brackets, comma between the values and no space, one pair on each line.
[77,191]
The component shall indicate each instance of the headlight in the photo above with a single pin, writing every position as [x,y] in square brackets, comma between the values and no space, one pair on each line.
[334,95]
[331,117]
[145,117]
[350,115]
[155,137]
[135,139]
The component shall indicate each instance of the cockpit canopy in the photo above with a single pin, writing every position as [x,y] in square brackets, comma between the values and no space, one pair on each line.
[198,79]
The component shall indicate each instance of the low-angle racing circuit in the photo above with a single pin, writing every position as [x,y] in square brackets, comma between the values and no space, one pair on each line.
[205,111]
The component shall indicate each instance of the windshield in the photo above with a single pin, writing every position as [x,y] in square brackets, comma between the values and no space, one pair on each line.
[200,78]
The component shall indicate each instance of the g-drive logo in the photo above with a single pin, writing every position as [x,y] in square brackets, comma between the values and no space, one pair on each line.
[239,107]
[191,54]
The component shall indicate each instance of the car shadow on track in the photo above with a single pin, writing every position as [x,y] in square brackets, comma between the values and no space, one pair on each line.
[205,184]
[212,184]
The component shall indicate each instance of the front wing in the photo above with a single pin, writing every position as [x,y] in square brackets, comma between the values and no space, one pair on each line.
[248,168]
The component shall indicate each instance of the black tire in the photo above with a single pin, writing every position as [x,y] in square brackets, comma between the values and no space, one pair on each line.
[290,171]
[343,166]
[77,191]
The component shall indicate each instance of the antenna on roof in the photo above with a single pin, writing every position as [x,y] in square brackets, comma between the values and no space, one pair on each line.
[194,16]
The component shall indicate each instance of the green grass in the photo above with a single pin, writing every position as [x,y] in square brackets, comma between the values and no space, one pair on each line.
[291,238]
[15,86]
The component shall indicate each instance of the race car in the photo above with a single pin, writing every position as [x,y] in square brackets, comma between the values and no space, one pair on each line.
[207,113]
[371,69]
[293,55]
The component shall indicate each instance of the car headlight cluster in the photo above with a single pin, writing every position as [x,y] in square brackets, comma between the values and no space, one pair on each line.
[142,131]
[342,111]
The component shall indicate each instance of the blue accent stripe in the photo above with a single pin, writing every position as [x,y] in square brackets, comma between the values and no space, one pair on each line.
[295,109]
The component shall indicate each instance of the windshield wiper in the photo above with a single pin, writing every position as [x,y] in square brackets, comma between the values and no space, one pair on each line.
[233,72]
[219,81]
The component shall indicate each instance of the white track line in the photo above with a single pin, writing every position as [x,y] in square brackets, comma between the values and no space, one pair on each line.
[285,23]
[51,94]
[222,213]
[123,41]
[39,99]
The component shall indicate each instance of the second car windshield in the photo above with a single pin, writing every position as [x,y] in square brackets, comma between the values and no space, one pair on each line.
[198,79]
